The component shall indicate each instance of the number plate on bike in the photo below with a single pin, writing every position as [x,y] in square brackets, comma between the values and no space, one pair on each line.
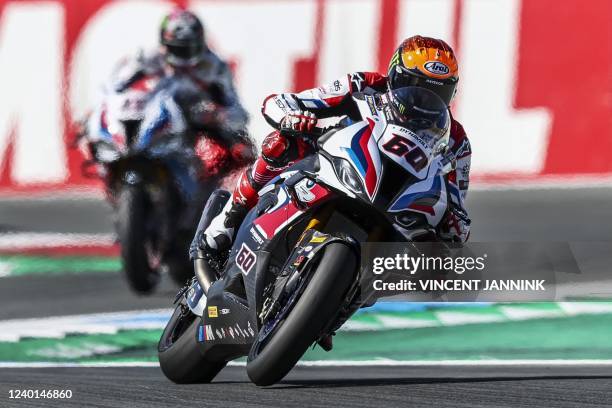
[406,149]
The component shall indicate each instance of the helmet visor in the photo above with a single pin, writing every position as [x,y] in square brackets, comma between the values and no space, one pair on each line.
[401,78]
[184,52]
[421,111]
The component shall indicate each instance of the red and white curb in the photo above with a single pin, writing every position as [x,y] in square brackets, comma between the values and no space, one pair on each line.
[57,243]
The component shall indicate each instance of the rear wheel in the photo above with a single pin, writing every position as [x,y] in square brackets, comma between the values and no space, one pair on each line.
[132,232]
[178,351]
[269,362]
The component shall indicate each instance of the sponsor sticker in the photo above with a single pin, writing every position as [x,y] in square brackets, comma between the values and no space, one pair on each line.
[436,67]
[357,79]
[370,101]
[245,259]
[318,240]
[224,311]
[208,332]
[299,260]
[303,190]
[212,311]
[256,237]
[280,104]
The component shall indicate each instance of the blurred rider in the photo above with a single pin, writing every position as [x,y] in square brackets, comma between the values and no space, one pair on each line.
[199,81]
[419,61]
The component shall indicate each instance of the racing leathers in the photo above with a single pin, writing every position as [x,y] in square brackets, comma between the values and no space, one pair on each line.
[211,75]
[301,112]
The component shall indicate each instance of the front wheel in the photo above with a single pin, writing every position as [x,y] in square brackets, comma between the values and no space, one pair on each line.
[132,232]
[179,356]
[269,362]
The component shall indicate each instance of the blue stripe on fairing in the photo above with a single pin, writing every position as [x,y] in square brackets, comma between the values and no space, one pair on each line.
[356,154]
[161,120]
[355,161]
[104,131]
[404,201]
[273,181]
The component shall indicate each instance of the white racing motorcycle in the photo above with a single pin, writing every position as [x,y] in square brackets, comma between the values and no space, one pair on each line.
[292,276]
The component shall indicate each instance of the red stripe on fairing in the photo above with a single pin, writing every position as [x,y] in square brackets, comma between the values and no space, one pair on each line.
[270,223]
[423,208]
[370,177]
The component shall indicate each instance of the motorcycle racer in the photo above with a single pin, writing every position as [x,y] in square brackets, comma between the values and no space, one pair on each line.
[185,67]
[419,61]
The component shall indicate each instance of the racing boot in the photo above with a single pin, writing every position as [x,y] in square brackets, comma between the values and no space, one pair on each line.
[219,235]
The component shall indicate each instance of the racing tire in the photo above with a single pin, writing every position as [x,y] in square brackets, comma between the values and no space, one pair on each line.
[132,232]
[269,363]
[180,358]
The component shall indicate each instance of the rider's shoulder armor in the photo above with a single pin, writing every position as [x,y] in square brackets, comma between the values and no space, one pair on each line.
[459,142]
[131,69]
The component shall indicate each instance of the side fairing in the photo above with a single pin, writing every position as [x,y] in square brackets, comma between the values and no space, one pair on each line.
[427,197]
[276,211]
[357,144]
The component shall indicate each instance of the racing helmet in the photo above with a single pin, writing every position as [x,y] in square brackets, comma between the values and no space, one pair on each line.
[182,38]
[425,62]
[423,113]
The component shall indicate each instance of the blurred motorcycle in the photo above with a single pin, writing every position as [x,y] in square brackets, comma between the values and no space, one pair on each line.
[144,150]
[292,277]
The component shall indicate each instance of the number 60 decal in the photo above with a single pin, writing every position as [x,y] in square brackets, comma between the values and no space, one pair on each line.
[407,149]
[245,259]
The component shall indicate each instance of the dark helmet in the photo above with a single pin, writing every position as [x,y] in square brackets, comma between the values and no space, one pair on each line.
[182,36]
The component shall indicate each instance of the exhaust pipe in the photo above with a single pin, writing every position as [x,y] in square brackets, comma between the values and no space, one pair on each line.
[204,274]
[203,271]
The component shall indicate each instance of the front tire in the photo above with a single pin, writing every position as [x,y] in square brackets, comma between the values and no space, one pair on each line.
[178,351]
[269,363]
[132,232]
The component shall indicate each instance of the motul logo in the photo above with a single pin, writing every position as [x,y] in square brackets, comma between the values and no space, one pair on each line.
[502,102]
[436,67]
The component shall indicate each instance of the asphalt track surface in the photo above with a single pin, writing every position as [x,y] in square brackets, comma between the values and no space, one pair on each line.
[321,387]
[512,215]
[526,215]
[523,215]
